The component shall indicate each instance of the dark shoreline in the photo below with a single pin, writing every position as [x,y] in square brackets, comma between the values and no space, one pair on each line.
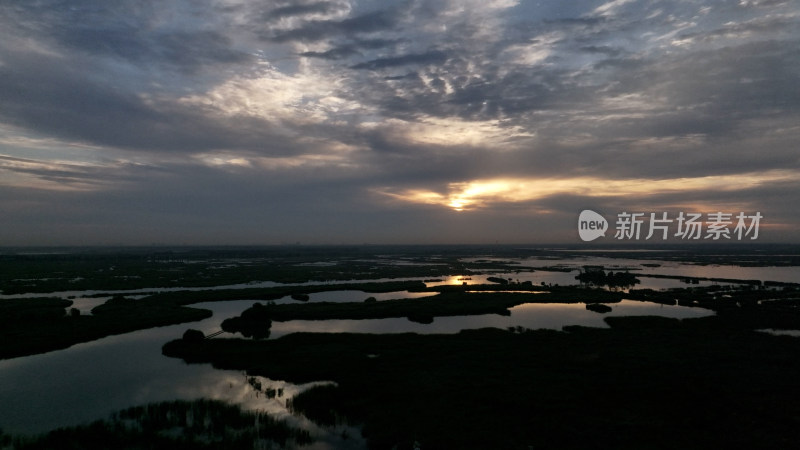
[646,382]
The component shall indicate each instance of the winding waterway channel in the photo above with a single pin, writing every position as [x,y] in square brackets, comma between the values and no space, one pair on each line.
[88,381]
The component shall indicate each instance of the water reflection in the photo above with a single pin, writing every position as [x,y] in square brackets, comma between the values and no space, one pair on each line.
[85,304]
[89,381]
[567,278]
[789,274]
[356,296]
[530,315]
[537,278]
[774,332]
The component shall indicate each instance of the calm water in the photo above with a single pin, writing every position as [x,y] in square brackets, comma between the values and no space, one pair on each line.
[566,279]
[356,296]
[85,304]
[789,274]
[531,315]
[88,381]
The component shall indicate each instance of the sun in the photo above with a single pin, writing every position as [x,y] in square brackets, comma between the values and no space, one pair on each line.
[457,205]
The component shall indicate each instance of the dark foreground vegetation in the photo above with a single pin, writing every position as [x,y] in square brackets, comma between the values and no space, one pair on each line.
[27,329]
[297,292]
[451,301]
[30,326]
[201,424]
[109,269]
[26,270]
[610,279]
[646,382]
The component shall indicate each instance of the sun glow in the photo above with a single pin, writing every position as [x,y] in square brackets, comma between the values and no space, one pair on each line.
[478,194]
[458,205]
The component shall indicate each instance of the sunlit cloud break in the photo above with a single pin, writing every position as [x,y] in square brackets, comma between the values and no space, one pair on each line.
[478,194]
[252,122]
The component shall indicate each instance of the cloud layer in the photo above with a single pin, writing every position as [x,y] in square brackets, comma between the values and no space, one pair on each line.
[236,121]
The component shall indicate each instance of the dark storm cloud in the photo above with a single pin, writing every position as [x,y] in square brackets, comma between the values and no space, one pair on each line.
[575,21]
[317,30]
[500,91]
[304,9]
[604,50]
[298,117]
[62,174]
[766,25]
[353,47]
[65,103]
[126,31]
[334,53]
[186,51]
[720,88]
[430,57]
[410,75]
[764,3]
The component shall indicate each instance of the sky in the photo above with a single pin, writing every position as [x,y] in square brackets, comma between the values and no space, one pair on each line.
[215,122]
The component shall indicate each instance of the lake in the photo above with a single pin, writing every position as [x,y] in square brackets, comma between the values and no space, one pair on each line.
[89,381]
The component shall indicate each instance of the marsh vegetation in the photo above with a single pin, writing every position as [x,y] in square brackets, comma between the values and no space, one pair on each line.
[200,424]
[644,382]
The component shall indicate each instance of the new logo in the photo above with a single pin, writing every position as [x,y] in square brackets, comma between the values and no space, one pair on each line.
[591,225]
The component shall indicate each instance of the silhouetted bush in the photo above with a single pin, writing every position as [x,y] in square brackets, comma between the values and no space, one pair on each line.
[424,319]
[598,308]
[193,335]
[200,424]
[600,278]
